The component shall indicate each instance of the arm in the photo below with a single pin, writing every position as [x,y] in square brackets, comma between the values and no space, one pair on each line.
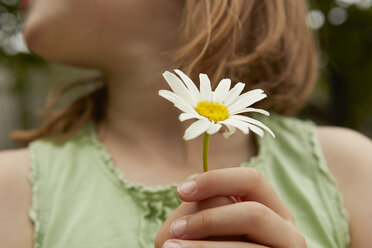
[349,158]
[16,228]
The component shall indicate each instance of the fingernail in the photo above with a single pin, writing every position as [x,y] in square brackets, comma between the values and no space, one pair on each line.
[187,188]
[171,244]
[178,228]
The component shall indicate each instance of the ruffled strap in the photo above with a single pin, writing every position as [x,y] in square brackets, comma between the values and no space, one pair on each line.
[34,181]
[326,180]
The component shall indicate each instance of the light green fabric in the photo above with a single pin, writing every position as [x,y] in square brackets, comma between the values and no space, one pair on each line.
[81,201]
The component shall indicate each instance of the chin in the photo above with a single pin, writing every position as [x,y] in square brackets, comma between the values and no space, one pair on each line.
[44,39]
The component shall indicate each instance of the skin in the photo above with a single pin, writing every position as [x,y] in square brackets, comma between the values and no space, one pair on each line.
[130,54]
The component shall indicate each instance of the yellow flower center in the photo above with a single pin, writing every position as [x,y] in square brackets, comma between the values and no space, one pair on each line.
[212,110]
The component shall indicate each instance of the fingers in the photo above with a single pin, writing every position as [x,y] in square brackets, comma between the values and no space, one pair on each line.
[247,183]
[259,223]
[188,208]
[208,244]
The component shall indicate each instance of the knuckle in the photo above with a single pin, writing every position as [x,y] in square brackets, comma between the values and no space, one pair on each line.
[255,176]
[299,240]
[257,214]
[206,218]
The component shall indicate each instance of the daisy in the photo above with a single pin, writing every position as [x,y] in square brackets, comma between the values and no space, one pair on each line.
[214,109]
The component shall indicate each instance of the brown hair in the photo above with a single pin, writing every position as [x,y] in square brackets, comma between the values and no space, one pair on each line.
[263,43]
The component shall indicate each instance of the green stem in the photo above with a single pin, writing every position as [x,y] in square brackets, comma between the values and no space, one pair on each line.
[205,151]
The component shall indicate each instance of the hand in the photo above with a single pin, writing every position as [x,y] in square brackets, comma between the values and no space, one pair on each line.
[261,217]
[187,208]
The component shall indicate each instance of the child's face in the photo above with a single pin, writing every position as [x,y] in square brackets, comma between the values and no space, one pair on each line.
[84,32]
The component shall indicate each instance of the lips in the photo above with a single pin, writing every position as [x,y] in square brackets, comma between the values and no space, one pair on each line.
[23,5]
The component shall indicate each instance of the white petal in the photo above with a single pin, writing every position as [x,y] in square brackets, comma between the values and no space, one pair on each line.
[252,93]
[205,87]
[214,129]
[241,125]
[179,88]
[246,94]
[197,128]
[190,85]
[234,93]
[245,102]
[256,130]
[187,116]
[177,101]
[253,121]
[261,111]
[231,130]
[213,94]
[222,90]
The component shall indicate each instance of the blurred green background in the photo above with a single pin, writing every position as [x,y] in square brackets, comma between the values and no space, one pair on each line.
[342,97]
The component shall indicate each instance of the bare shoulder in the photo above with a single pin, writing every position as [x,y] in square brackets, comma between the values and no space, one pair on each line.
[349,158]
[347,152]
[16,228]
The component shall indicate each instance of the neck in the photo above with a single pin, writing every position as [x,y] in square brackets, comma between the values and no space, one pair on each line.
[138,117]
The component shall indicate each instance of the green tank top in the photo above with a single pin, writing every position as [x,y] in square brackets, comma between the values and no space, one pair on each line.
[80,200]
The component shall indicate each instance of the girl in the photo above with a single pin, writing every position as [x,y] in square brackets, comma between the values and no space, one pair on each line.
[103,172]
